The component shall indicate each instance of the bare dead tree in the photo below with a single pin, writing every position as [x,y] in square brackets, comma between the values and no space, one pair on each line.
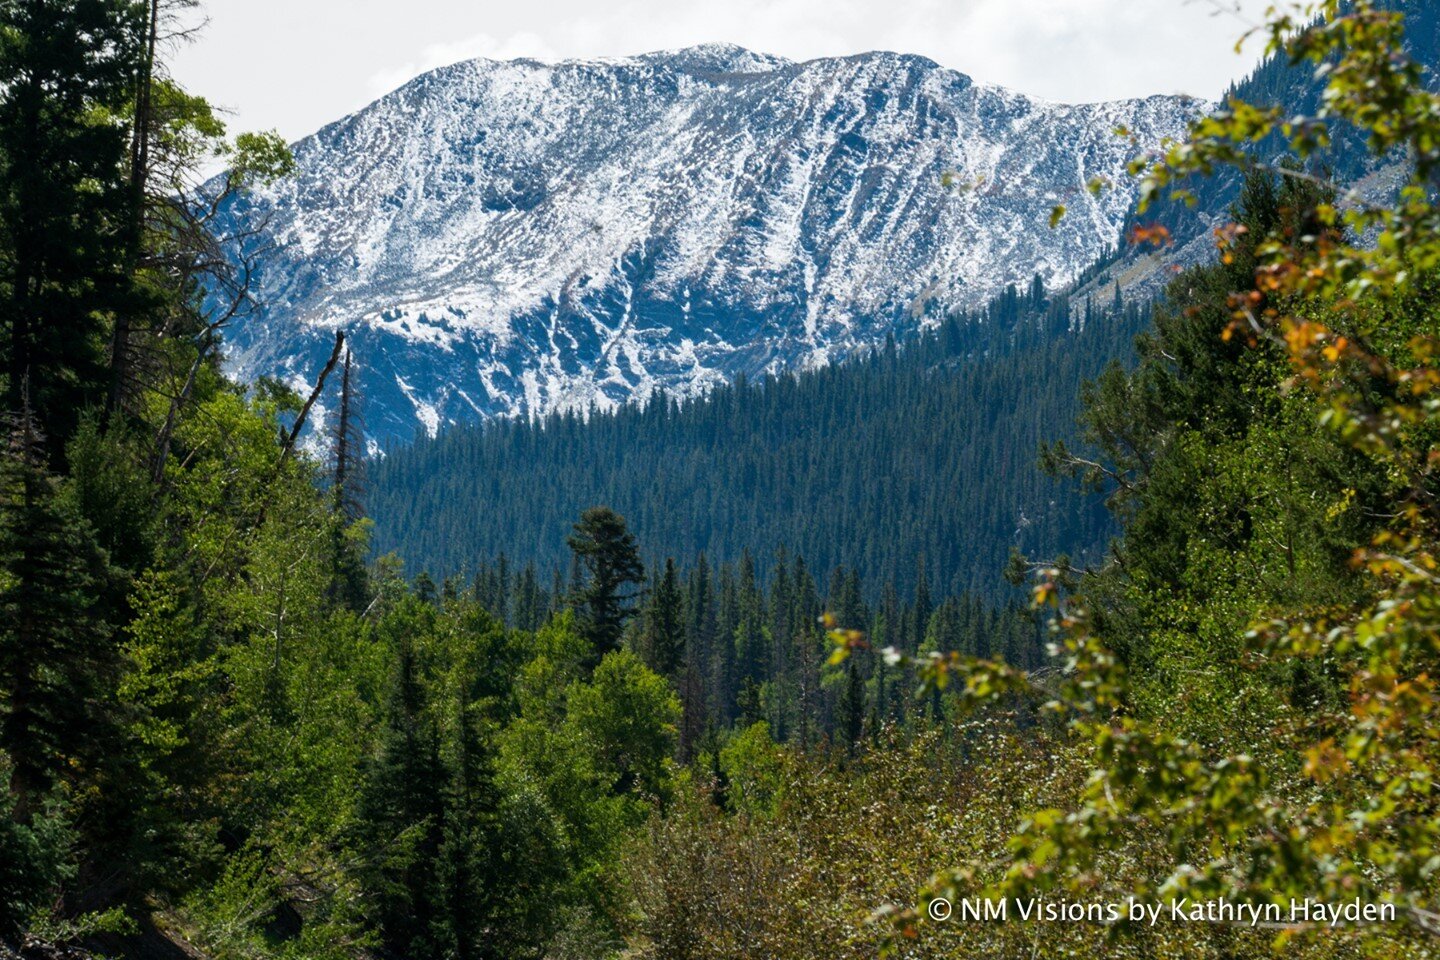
[287,449]
[347,445]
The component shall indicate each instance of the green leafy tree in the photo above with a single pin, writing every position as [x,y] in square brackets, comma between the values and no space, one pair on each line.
[627,715]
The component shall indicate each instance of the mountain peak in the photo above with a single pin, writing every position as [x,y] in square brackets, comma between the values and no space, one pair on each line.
[512,239]
[719,58]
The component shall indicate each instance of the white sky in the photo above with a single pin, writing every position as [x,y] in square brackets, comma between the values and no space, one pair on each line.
[295,65]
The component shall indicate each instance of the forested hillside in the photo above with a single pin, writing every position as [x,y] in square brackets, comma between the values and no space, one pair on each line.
[920,458]
[1343,156]
[227,733]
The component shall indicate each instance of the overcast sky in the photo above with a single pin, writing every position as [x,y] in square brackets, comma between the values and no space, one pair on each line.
[295,65]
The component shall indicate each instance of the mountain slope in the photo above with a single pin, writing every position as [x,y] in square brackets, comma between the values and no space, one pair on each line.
[915,457]
[516,238]
[1347,162]
[873,464]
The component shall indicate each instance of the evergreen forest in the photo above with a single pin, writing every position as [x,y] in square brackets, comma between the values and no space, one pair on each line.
[919,460]
[1075,599]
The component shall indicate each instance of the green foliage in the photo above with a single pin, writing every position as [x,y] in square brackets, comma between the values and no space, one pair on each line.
[86,926]
[36,854]
[109,486]
[402,810]
[663,640]
[261,158]
[65,69]
[1250,681]
[55,654]
[757,769]
[626,716]
[607,553]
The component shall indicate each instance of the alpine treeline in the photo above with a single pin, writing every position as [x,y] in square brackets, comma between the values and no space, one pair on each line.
[915,460]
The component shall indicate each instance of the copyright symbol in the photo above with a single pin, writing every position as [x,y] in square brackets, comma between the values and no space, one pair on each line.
[939,909]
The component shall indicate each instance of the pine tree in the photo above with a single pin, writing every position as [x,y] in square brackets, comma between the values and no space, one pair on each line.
[781,672]
[501,608]
[700,613]
[693,717]
[56,655]
[663,641]
[469,871]
[530,604]
[66,72]
[607,554]
[724,683]
[921,609]
[751,646]
[402,815]
[879,640]
[348,582]
[851,710]
[559,596]
[143,124]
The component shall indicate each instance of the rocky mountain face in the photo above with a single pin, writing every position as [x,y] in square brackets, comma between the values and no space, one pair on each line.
[515,238]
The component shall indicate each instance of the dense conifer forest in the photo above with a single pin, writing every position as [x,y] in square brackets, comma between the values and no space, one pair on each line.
[232,728]
[920,459]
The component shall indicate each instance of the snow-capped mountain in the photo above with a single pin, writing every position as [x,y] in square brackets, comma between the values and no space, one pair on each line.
[514,238]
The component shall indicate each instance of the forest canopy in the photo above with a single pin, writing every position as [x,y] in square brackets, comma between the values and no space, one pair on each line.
[228,727]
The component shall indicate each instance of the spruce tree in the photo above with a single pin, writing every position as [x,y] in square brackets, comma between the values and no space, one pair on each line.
[606,554]
[723,680]
[922,609]
[469,873]
[851,709]
[56,654]
[664,637]
[67,70]
[530,603]
[401,817]
[751,647]
[348,585]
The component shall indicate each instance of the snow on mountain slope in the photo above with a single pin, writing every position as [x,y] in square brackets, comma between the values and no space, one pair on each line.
[514,238]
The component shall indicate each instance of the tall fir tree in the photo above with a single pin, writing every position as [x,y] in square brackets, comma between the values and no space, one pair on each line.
[57,659]
[67,69]
[348,586]
[401,817]
[663,639]
[751,645]
[609,572]
[851,709]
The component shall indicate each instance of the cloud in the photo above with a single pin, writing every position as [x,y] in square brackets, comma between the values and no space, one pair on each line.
[1059,49]
[343,53]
